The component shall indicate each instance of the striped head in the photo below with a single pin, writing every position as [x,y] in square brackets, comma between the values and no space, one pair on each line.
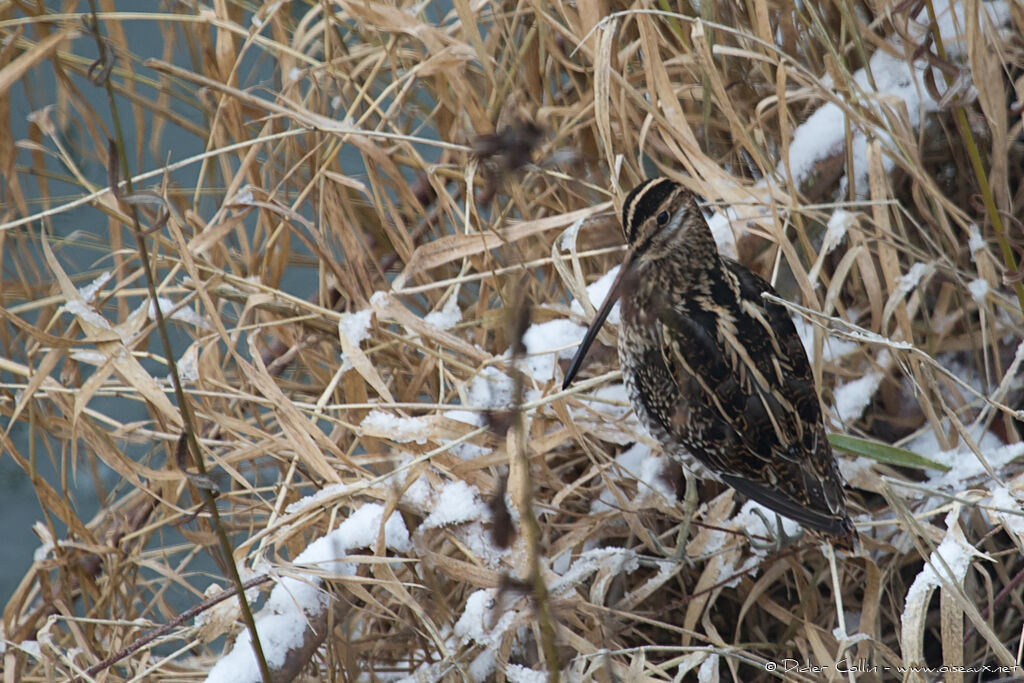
[664,227]
[661,217]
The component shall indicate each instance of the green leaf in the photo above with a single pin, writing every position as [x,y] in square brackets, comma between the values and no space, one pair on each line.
[882,452]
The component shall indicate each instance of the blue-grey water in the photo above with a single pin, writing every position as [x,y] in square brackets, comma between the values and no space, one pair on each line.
[81,240]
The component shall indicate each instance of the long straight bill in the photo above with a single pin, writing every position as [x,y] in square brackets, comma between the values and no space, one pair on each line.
[595,327]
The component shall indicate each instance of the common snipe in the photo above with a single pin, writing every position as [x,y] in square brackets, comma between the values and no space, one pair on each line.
[716,372]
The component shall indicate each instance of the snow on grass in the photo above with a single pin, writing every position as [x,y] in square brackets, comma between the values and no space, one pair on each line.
[458,502]
[966,465]
[611,400]
[948,564]
[187,364]
[815,139]
[481,622]
[850,399]
[419,494]
[478,540]
[458,506]
[857,471]
[693,660]
[448,317]
[869,337]
[729,574]
[978,289]
[963,463]
[637,462]
[429,672]
[394,427]
[615,421]
[598,292]
[29,647]
[751,519]
[245,197]
[975,242]
[567,240]
[1004,498]
[356,326]
[517,673]
[469,417]
[483,665]
[88,292]
[823,135]
[283,622]
[832,347]
[87,314]
[838,225]
[616,561]
[360,530]
[544,342]
[466,451]
[184,314]
[909,280]
[491,389]
[720,223]
[317,499]
[708,670]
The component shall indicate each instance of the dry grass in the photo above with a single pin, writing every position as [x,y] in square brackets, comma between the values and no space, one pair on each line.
[338,144]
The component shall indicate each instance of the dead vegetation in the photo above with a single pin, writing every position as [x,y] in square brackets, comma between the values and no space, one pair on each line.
[380,205]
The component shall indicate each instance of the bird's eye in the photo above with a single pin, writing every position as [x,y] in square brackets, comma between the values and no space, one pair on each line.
[662,218]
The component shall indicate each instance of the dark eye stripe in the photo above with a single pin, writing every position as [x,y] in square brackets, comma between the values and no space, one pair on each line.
[642,203]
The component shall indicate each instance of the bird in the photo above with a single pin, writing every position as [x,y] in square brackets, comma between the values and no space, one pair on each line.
[716,372]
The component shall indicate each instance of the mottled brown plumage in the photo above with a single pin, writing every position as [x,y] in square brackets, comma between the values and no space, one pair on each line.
[716,372]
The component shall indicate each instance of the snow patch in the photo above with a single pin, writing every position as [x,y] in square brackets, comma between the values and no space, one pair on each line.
[637,462]
[491,389]
[708,670]
[948,564]
[853,397]
[87,314]
[838,225]
[598,292]
[720,223]
[913,277]
[615,560]
[832,347]
[517,673]
[458,502]
[329,492]
[282,623]
[963,463]
[975,242]
[396,428]
[480,624]
[823,135]
[355,326]
[185,314]
[978,289]
[89,291]
[1002,497]
[448,317]
[544,342]
[754,524]
[188,365]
